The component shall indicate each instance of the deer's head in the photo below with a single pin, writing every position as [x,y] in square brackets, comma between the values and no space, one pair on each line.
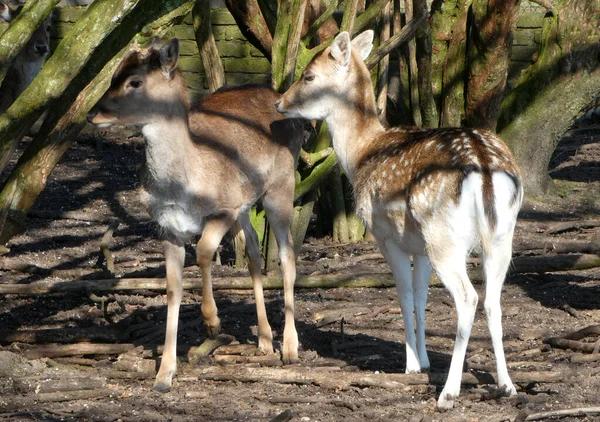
[333,76]
[146,86]
[38,46]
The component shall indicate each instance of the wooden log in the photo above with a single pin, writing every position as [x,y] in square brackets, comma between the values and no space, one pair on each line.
[266,360]
[566,226]
[63,335]
[59,350]
[528,264]
[236,349]
[306,376]
[61,396]
[593,357]
[208,346]
[580,411]
[58,385]
[564,343]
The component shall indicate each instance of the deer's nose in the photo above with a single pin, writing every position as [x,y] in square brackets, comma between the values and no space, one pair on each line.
[41,49]
[91,115]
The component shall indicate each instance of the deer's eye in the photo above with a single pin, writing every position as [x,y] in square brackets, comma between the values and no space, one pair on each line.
[309,78]
[135,83]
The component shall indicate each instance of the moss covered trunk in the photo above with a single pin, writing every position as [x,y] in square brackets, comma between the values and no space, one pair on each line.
[491,35]
[554,90]
[209,53]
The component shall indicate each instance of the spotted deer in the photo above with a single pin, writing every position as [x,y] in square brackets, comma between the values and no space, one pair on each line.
[28,62]
[206,166]
[433,194]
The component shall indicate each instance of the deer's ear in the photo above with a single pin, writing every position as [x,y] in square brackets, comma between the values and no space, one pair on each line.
[5,12]
[340,49]
[363,43]
[169,57]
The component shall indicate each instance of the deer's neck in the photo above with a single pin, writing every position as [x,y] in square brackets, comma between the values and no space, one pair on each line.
[353,125]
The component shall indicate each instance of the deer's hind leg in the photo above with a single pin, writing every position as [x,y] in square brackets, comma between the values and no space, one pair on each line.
[214,230]
[265,335]
[279,207]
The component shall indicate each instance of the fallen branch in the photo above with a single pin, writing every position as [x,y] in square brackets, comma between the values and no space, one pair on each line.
[563,343]
[559,247]
[591,330]
[566,226]
[580,411]
[59,385]
[593,357]
[64,335]
[59,350]
[60,396]
[266,360]
[341,380]
[570,341]
[209,346]
[320,400]
[236,349]
[528,264]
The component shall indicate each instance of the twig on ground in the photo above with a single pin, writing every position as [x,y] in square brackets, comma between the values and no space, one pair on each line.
[320,400]
[109,271]
[580,411]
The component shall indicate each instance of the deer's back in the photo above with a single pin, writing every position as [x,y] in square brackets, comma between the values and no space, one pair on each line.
[409,172]
[242,132]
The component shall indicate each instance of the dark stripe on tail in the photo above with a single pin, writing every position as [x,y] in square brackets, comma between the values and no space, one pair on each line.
[488,198]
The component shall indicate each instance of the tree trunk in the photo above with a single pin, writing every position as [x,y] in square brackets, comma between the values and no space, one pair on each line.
[338,207]
[209,53]
[449,28]
[413,86]
[427,105]
[384,64]
[30,175]
[491,35]
[286,43]
[20,30]
[554,90]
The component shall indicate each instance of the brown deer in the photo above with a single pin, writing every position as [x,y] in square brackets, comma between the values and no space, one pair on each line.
[28,62]
[206,166]
[433,194]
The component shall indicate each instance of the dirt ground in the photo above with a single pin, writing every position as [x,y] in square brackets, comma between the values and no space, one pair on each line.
[94,185]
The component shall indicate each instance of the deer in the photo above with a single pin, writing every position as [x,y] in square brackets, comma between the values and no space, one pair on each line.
[28,62]
[430,194]
[206,165]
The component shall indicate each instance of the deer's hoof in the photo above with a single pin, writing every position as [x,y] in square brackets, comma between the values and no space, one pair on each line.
[213,329]
[445,401]
[162,386]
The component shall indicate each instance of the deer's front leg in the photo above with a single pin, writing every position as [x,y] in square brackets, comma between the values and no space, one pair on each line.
[174,258]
